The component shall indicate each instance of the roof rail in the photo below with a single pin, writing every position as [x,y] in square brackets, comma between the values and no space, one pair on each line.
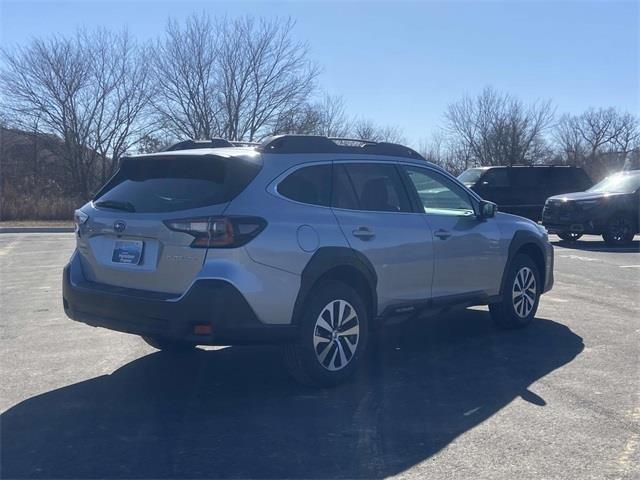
[196,144]
[322,144]
[240,143]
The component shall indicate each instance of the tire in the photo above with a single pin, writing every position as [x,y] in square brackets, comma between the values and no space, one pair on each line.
[620,230]
[323,355]
[170,346]
[569,236]
[517,309]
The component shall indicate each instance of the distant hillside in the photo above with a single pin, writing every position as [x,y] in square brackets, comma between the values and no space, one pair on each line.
[33,177]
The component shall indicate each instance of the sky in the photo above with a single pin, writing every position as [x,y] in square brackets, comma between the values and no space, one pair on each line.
[401,63]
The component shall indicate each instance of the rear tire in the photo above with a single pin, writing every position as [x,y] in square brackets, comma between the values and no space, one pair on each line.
[333,336]
[521,295]
[171,346]
[620,231]
[569,236]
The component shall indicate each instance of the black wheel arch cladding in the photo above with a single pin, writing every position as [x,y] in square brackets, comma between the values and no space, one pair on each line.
[522,242]
[334,262]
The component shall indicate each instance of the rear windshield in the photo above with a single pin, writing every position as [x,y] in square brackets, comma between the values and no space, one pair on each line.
[171,183]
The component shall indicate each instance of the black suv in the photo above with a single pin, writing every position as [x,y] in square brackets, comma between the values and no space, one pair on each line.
[522,190]
[609,208]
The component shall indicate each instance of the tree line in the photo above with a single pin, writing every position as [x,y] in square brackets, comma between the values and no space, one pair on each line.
[103,93]
[494,128]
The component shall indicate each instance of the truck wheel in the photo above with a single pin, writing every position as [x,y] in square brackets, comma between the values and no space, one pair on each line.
[620,231]
[521,294]
[333,336]
[569,236]
[166,345]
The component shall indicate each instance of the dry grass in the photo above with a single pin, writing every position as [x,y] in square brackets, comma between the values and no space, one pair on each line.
[35,223]
[16,205]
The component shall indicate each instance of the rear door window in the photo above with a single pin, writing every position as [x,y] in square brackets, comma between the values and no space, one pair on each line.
[171,183]
[496,178]
[310,185]
[378,187]
[344,196]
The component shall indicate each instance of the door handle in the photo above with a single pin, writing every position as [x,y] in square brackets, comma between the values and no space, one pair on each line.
[442,234]
[363,233]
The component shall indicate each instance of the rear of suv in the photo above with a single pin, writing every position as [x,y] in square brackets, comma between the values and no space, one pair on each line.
[303,241]
[522,190]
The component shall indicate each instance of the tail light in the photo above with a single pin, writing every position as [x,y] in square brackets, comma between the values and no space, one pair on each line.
[79,218]
[218,232]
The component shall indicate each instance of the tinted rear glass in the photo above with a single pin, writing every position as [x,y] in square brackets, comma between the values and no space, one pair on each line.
[343,194]
[171,183]
[528,177]
[565,180]
[308,185]
[378,187]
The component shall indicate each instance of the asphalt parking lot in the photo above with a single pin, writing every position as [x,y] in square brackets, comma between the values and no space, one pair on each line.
[447,397]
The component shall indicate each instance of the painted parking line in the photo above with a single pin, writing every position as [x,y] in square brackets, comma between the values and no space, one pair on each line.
[629,266]
[578,257]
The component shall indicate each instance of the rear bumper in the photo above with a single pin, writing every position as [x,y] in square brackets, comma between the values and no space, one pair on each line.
[208,302]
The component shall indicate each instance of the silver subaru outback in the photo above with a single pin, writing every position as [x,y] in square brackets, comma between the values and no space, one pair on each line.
[304,241]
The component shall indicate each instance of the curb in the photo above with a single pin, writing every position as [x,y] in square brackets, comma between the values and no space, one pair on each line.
[37,229]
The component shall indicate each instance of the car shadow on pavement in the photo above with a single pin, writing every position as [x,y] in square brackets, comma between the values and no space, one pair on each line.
[235,413]
[598,246]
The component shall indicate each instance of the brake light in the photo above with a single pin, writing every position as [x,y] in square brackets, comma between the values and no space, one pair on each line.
[218,232]
[79,219]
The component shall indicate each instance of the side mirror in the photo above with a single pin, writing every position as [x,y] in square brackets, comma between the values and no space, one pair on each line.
[487,209]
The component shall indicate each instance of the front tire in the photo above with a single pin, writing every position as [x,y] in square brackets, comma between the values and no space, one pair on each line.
[569,236]
[521,295]
[620,231]
[333,336]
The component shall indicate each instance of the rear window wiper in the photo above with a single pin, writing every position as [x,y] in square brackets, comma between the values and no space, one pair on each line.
[114,204]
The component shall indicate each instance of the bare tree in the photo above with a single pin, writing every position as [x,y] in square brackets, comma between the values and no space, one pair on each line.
[442,150]
[499,129]
[230,78]
[324,117]
[304,120]
[368,130]
[187,79]
[267,74]
[601,140]
[570,140]
[333,118]
[89,89]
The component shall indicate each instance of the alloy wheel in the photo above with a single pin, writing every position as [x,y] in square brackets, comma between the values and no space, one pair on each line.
[336,335]
[524,292]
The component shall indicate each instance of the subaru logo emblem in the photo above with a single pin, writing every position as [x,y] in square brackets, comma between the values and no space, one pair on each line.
[119,226]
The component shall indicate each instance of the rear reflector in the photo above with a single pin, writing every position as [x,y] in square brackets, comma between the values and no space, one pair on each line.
[203,329]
